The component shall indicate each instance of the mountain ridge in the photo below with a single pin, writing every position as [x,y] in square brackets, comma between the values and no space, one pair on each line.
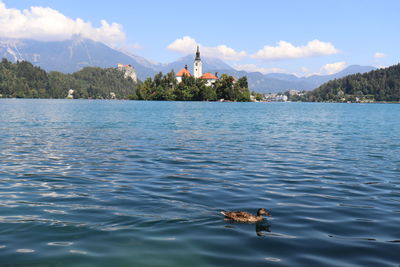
[72,55]
[68,56]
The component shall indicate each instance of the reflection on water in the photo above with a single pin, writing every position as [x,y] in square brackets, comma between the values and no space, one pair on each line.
[262,227]
[104,183]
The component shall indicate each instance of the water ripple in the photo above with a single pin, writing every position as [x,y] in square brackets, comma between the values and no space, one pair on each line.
[124,183]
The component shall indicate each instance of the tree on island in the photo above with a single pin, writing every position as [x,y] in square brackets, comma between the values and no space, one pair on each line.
[166,87]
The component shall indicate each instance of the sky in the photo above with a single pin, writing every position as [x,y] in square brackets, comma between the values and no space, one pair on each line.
[286,36]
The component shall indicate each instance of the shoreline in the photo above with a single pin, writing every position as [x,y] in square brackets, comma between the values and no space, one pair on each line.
[217,101]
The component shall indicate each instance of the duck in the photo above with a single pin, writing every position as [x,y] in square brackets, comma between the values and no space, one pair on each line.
[245,217]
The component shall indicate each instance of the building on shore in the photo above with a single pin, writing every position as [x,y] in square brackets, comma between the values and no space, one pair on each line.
[70,94]
[197,71]
[273,97]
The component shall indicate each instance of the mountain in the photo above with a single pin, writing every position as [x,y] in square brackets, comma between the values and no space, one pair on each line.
[74,54]
[70,55]
[279,82]
[317,80]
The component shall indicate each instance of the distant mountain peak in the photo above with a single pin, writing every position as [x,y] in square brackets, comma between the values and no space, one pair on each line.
[352,69]
[68,56]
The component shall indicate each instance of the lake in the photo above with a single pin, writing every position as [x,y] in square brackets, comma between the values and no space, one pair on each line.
[130,183]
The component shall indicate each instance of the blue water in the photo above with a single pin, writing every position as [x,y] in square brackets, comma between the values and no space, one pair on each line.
[129,183]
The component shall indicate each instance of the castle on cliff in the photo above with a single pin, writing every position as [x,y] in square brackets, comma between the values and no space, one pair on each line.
[197,71]
[128,71]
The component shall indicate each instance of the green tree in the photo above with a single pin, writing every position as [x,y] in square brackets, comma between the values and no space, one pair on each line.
[380,85]
[22,79]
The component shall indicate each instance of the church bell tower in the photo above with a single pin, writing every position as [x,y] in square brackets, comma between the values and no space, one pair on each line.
[197,66]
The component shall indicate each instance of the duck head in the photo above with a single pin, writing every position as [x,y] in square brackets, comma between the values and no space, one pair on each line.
[263,211]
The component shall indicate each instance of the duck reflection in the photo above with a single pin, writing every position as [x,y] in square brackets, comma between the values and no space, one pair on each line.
[262,228]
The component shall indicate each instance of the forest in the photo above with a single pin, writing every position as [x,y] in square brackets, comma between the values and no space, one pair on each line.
[24,80]
[382,85]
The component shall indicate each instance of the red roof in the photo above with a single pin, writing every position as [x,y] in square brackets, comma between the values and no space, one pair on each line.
[208,76]
[183,72]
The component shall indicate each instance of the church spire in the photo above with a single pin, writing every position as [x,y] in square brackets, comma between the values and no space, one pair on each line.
[197,66]
[198,54]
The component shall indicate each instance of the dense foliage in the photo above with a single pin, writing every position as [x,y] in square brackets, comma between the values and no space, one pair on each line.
[166,87]
[378,85]
[23,80]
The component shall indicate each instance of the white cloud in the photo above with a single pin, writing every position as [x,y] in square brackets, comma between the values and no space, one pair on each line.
[326,69]
[305,70]
[286,50]
[187,45]
[379,55]
[255,68]
[333,68]
[47,24]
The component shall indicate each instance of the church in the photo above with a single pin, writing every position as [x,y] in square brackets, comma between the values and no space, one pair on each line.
[198,71]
